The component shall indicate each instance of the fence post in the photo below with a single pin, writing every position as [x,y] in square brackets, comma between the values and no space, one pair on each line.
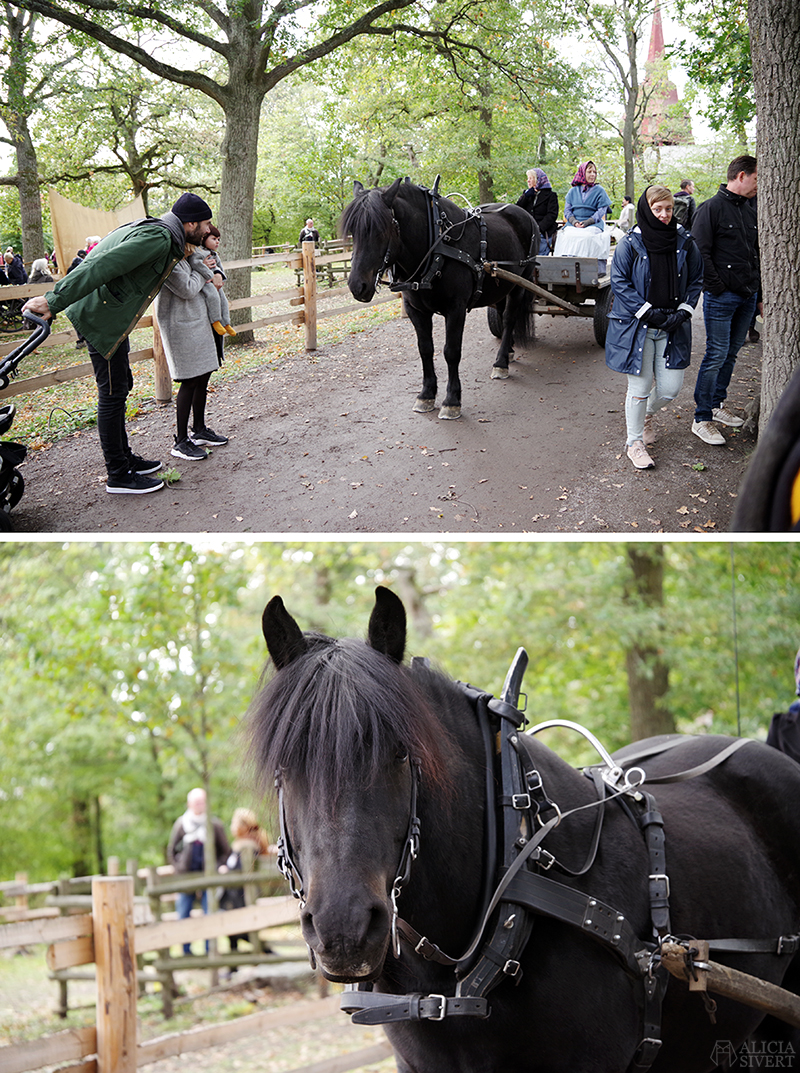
[162,377]
[114,945]
[310,294]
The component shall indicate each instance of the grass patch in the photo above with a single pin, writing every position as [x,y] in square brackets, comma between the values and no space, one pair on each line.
[53,413]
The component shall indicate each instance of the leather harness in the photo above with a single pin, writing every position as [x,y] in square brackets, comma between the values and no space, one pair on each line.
[440,246]
[518,807]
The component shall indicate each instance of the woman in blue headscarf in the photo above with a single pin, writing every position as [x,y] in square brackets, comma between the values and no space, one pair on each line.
[541,201]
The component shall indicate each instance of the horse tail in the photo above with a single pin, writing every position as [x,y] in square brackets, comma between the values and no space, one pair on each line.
[524,326]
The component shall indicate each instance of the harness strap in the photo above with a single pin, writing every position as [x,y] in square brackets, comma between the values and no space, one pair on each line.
[378,1008]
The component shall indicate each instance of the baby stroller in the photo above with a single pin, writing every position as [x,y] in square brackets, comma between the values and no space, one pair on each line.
[12,455]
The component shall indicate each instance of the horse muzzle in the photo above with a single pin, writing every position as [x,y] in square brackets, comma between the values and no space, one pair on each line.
[363,290]
[349,940]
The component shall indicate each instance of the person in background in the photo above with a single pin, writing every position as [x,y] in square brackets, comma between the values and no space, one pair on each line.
[627,215]
[309,233]
[250,838]
[39,273]
[725,229]
[541,201]
[656,277]
[186,849]
[15,269]
[685,206]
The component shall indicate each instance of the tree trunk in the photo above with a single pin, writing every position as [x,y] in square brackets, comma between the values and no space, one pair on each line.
[648,674]
[239,163]
[775,48]
[30,204]
[485,177]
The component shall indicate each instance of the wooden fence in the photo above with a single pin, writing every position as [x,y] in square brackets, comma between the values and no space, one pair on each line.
[310,266]
[110,938]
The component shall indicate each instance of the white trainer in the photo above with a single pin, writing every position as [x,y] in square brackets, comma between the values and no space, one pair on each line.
[726,418]
[706,431]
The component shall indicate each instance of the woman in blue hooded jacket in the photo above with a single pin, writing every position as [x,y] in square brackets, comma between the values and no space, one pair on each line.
[656,279]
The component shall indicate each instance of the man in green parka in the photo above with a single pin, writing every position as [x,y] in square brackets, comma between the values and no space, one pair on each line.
[104,297]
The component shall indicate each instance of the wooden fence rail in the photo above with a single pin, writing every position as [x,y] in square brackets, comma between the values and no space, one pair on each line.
[308,262]
[110,938]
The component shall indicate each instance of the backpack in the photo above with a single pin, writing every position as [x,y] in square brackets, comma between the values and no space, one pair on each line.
[680,210]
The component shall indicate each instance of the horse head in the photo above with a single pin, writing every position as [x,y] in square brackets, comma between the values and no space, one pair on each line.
[370,221]
[339,725]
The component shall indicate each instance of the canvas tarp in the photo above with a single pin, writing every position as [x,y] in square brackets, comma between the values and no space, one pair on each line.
[73,223]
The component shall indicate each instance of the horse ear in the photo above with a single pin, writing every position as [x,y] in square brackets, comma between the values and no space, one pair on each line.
[387,625]
[358,188]
[285,640]
[390,193]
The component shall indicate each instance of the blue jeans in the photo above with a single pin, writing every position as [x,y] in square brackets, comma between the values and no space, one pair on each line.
[184,906]
[114,382]
[727,317]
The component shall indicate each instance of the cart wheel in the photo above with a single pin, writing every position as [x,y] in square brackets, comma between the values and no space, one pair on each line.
[602,307]
[495,319]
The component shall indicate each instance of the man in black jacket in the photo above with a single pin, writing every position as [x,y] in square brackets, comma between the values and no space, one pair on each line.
[725,229]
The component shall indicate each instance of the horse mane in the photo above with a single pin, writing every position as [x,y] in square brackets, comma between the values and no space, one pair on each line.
[339,713]
[367,217]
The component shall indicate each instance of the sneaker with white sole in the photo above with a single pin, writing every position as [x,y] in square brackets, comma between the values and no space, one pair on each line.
[133,484]
[208,437]
[726,418]
[143,465]
[707,432]
[188,450]
[637,453]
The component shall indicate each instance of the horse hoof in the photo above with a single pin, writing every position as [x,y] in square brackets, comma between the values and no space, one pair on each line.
[499,373]
[424,406]
[450,413]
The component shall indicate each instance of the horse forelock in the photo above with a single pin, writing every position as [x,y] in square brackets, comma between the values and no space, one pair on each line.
[367,217]
[336,716]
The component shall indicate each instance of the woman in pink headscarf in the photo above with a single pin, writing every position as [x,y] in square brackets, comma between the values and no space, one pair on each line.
[585,210]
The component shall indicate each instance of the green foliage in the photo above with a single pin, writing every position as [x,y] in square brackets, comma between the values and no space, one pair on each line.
[128,667]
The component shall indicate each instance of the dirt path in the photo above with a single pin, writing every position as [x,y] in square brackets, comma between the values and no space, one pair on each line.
[328,444]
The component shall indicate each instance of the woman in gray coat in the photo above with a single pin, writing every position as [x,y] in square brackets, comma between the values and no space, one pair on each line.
[192,349]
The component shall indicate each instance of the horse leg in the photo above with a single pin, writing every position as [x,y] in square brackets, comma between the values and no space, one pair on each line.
[516,319]
[423,326]
[505,352]
[454,335]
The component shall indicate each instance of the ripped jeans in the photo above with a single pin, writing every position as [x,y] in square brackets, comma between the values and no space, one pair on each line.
[653,388]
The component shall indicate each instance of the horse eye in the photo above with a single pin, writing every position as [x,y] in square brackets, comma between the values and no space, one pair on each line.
[402,756]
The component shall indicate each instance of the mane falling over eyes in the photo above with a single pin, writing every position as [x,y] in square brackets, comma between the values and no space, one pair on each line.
[338,714]
[367,218]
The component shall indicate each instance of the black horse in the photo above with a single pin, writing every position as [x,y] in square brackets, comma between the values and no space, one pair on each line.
[436,252]
[376,760]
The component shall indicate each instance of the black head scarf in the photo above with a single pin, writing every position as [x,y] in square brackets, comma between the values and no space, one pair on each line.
[661,242]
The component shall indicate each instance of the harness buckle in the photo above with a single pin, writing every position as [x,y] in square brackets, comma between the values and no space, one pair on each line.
[511,968]
[665,879]
[442,1008]
[521,801]
[788,944]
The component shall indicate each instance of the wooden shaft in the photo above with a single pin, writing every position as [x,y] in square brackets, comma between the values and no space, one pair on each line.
[736,985]
[112,913]
[501,273]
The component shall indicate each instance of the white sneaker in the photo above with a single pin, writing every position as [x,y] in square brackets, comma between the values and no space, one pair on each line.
[725,418]
[637,453]
[706,431]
